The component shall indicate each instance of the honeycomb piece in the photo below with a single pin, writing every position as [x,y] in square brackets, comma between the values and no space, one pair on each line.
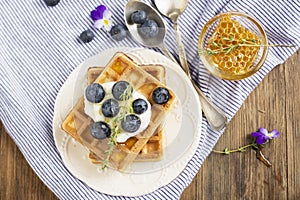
[228,34]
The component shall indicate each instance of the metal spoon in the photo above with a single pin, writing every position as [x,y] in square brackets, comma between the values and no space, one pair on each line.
[173,9]
[157,41]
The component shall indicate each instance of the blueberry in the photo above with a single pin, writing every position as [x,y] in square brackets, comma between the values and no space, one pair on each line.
[138,17]
[149,29]
[131,123]
[51,2]
[118,32]
[94,93]
[160,95]
[110,108]
[100,130]
[121,90]
[86,36]
[139,106]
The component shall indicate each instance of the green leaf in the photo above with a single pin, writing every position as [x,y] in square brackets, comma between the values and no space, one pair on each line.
[214,44]
[227,50]
[103,167]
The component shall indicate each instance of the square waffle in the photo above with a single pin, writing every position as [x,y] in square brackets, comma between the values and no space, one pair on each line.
[77,123]
[153,150]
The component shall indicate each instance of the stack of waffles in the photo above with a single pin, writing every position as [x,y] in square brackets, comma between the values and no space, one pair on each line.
[147,145]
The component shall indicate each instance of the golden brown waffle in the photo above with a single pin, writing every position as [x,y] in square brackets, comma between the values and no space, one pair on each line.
[153,150]
[77,122]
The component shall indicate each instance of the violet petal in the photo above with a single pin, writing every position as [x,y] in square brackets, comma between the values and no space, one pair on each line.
[263,131]
[274,133]
[266,137]
[100,9]
[260,140]
[256,134]
[108,26]
[99,24]
[106,14]
[94,15]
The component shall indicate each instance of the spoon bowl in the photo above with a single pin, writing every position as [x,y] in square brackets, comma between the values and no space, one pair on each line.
[135,5]
[171,8]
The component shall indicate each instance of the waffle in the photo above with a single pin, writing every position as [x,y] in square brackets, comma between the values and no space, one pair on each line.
[153,150]
[77,122]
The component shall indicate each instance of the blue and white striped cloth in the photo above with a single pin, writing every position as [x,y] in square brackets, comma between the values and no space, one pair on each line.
[39,49]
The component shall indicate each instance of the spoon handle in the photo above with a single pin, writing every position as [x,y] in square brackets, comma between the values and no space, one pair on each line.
[215,117]
[181,50]
[164,49]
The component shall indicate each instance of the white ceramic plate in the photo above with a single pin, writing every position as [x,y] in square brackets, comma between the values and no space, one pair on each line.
[182,131]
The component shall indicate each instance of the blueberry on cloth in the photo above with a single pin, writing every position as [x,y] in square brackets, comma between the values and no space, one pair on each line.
[149,29]
[118,32]
[131,123]
[94,93]
[160,95]
[86,36]
[122,90]
[51,2]
[138,17]
[100,130]
[139,106]
[110,108]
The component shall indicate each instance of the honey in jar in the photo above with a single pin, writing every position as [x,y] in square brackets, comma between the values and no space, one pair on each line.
[232,48]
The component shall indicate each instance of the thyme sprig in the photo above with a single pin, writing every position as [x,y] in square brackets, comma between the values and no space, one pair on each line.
[125,108]
[235,44]
[112,142]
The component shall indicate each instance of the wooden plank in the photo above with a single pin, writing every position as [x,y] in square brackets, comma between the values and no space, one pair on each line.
[241,175]
[292,74]
[18,181]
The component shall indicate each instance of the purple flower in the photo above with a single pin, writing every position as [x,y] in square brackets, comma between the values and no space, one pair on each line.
[101,16]
[263,135]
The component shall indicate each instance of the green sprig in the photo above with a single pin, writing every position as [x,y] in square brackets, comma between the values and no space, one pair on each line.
[241,149]
[230,47]
[124,110]
[240,43]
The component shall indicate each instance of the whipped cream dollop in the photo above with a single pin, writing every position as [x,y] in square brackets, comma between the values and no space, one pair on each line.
[93,110]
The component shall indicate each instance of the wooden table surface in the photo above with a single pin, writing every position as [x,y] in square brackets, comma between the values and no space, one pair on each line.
[274,104]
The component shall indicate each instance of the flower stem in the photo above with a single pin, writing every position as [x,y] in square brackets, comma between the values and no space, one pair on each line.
[240,149]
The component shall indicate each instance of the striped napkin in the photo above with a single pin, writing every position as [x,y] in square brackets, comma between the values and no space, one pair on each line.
[39,49]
